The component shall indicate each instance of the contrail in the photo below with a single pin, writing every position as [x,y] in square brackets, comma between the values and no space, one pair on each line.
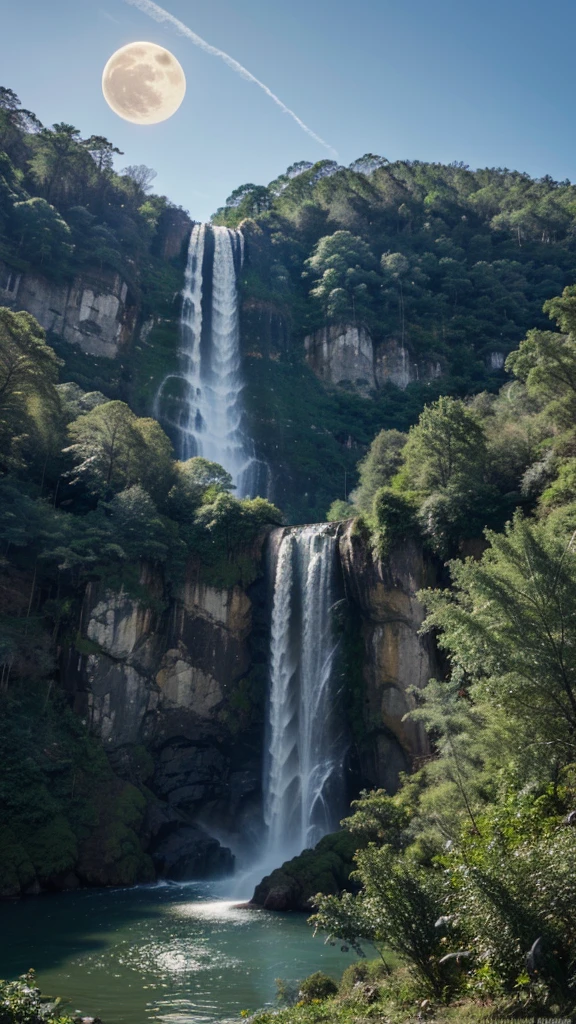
[159,14]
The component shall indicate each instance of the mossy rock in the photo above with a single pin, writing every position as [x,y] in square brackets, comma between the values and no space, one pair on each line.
[53,848]
[16,868]
[324,869]
[113,855]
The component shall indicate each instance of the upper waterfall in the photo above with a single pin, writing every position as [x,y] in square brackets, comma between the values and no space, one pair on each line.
[201,404]
[304,771]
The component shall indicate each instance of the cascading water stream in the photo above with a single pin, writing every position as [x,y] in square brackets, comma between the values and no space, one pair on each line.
[304,771]
[201,405]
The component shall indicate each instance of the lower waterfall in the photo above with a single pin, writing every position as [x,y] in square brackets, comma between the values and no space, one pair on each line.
[304,797]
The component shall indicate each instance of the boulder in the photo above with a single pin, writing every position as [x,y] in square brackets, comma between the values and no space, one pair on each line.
[188,853]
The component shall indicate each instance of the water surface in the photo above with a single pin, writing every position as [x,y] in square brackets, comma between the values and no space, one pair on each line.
[176,954]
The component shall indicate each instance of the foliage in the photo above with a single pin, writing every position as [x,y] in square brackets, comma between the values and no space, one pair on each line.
[21,1002]
[58,795]
[340,510]
[317,986]
[508,624]
[114,449]
[393,518]
[378,467]
[28,373]
[446,445]
[377,818]
[62,204]
[397,908]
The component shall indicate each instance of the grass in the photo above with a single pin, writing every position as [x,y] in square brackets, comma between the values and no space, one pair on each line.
[372,993]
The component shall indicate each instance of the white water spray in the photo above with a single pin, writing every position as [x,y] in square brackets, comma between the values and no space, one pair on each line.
[202,403]
[158,13]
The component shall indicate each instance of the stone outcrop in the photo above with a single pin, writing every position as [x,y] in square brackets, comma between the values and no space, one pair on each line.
[163,675]
[181,851]
[342,356]
[347,356]
[324,869]
[173,235]
[383,594]
[93,311]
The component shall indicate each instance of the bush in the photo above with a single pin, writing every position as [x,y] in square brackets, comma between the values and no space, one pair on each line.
[21,1003]
[317,986]
[393,517]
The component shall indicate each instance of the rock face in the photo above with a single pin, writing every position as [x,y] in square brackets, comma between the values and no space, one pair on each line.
[175,678]
[93,311]
[169,681]
[173,233]
[383,596]
[342,355]
[348,356]
[265,330]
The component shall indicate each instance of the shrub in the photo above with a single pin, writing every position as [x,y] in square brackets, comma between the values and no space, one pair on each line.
[317,986]
[393,517]
[22,1003]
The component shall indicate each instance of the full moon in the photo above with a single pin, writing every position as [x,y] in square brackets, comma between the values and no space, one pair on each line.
[143,83]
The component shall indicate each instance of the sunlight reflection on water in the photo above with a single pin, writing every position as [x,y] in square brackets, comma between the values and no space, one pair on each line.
[165,954]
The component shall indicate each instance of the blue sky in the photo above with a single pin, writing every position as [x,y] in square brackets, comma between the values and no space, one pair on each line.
[490,83]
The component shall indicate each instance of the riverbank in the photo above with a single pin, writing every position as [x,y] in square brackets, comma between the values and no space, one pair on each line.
[371,992]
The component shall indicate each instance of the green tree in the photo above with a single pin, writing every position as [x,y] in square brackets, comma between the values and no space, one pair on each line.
[378,467]
[136,525]
[43,235]
[102,152]
[345,266]
[447,443]
[340,510]
[113,449]
[59,162]
[546,361]
[28,374]
[508,626]
[397,909]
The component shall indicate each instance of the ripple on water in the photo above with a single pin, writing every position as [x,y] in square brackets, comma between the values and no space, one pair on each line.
[165,954]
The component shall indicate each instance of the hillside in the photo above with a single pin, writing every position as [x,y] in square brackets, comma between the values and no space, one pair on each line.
[392,283]
[408,341]
[367,291]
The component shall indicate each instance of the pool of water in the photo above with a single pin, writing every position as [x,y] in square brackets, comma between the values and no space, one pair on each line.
[176,954]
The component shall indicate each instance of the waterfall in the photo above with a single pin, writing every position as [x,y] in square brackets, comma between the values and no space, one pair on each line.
[201,404]
[304,775]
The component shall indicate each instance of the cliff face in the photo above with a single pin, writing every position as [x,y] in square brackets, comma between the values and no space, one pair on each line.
[347,356]
[173,678]
[395,657]
[342,355]
[179,682]
[93,311]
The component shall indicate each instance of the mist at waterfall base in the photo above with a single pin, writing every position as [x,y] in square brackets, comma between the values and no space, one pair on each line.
[200,404]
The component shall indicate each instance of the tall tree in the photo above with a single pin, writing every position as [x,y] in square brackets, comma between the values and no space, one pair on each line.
[508,626]
[447,443]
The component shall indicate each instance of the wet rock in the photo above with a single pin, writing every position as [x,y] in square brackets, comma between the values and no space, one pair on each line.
[325,869]
[189,853]
[188,773]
